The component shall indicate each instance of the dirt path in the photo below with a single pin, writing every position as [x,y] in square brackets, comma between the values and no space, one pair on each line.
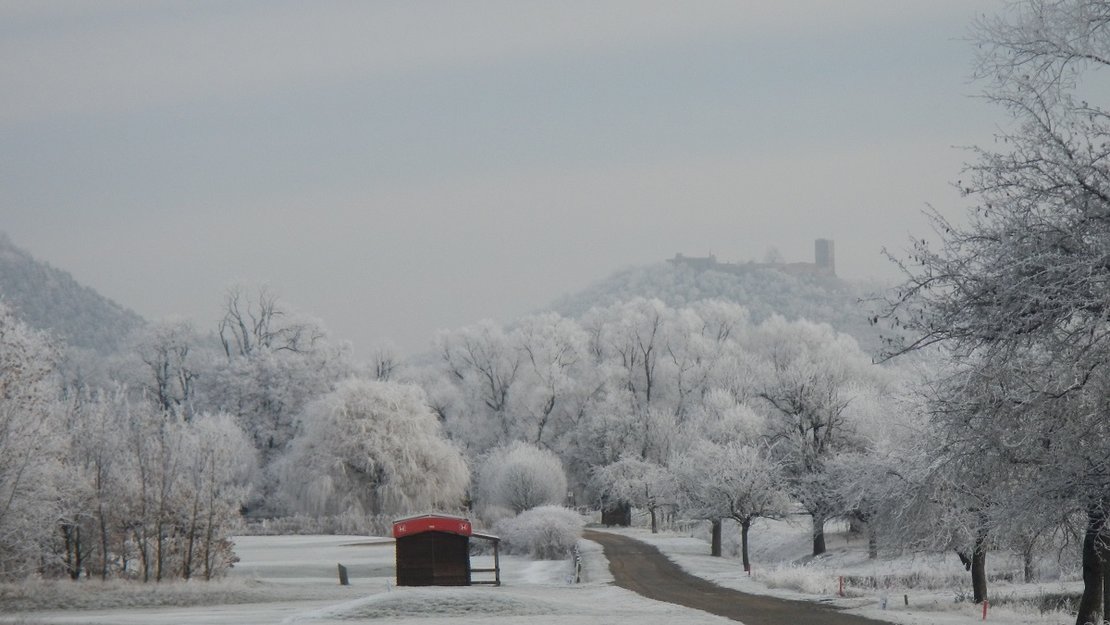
[641,568]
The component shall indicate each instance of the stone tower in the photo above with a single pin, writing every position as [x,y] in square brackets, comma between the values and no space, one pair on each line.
[824,254]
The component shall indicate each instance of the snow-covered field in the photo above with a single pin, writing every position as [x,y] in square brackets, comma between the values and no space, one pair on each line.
[293,579]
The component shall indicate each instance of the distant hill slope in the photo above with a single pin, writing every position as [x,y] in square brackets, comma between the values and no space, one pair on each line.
[763,291]
[50,299]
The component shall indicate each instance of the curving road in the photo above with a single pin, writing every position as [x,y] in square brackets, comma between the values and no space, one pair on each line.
[641,568]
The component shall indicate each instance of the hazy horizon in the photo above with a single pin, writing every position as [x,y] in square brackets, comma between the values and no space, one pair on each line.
[396,169]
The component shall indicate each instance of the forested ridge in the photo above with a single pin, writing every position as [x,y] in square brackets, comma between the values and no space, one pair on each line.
[50,299]
[763,291]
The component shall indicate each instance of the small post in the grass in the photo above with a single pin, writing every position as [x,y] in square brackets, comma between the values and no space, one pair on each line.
[985,604]
[841,591]
[343,581]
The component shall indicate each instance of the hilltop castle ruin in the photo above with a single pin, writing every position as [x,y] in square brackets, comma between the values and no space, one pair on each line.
[824,262]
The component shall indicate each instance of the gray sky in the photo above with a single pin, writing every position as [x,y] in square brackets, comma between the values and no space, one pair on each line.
[395,168]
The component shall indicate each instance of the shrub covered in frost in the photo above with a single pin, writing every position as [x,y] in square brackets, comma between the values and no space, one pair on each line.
[521,476]
[545,533]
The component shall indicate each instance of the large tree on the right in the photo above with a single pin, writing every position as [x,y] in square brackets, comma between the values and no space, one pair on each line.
[1019,294]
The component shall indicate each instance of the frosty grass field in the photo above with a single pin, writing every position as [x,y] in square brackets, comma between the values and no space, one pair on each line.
[293,579]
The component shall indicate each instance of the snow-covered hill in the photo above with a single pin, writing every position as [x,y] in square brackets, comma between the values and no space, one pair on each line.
[763,291]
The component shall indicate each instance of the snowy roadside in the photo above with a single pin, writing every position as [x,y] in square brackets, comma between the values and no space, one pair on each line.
[818,580]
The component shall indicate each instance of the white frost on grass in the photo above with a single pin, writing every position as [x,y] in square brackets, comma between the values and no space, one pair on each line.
[782,567]
[438,602]
[96,595]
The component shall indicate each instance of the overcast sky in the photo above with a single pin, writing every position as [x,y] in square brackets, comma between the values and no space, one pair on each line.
[396,168]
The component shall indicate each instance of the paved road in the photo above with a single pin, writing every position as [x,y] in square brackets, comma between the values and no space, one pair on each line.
[641,568]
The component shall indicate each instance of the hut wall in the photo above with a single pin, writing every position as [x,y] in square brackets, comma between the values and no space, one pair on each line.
[433,559]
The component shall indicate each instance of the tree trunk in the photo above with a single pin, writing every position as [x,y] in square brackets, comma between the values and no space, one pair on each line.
[979,569]
[1027,565]
[67,541]
[654,521]
[144,552]
[745,525]
[103,543]
[715,545]
[818,534]
[78,555]
[159,543]
[1104,552]
[856,525]
[872,544]
[208,536]
[1090,604]
[190,538]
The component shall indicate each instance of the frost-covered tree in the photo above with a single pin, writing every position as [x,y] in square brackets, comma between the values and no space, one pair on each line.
[168,353]
[634,411]
[91,520]
[373,447]
[1019,289]
[218,468]
[156,450]
[554,382]
[250,324]
[871,488]
[731,481]
[273,363]
[520,477]
[639,483]
[31,447]
[722,418]
[484,364]
[632,337]
[151,495]
[812,382]
[871,483]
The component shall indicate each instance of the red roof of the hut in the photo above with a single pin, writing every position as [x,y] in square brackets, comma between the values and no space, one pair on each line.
[431,523]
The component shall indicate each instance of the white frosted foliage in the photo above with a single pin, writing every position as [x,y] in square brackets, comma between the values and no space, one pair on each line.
[373,447]
[520,477]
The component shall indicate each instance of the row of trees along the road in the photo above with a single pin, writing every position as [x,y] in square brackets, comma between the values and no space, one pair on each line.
[1017,300]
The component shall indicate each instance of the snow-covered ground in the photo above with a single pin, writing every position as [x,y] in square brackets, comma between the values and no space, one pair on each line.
[294,579]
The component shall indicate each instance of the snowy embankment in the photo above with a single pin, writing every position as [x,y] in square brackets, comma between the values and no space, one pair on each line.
[921,589]
[293,579]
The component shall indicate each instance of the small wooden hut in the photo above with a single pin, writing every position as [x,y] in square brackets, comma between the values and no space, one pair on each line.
[434,550]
